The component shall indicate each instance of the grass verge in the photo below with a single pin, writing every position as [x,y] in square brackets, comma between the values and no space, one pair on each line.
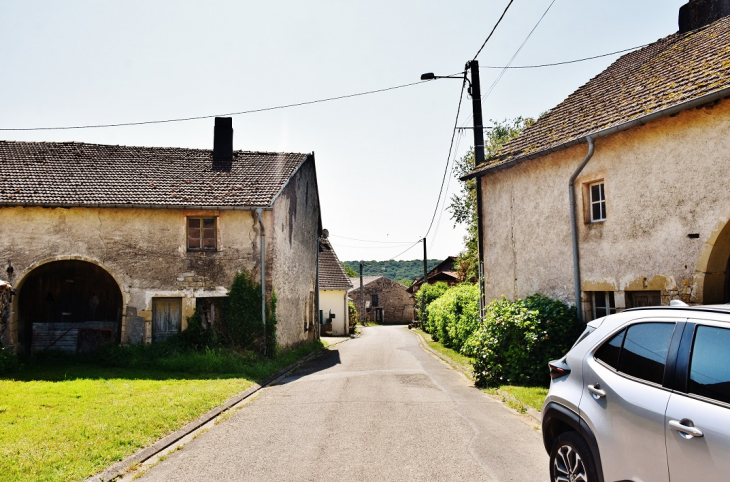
[515,397]
[63,419]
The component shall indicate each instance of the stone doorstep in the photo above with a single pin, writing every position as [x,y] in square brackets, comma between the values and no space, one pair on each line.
[468,373]
[120,468]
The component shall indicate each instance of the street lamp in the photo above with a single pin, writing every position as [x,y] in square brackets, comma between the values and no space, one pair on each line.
[476,96]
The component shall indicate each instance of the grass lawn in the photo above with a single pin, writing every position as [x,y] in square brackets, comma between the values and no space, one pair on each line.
[514,396]
[68,420]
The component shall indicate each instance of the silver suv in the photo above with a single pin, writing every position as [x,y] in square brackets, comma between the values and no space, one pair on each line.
[643,395]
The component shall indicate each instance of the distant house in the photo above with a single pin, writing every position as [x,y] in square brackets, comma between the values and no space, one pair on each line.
[333,287]
[384,300]
[444,271]
[618,197]
[121,244]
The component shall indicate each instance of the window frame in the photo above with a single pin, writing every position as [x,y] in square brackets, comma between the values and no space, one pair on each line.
[600,202]
[684,360]
[202,238]
[608,307]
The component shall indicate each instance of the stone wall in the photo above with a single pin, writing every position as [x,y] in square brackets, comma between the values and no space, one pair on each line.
[396,302]
[667,210]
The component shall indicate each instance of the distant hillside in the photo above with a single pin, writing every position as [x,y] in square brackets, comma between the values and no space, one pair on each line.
[395,270]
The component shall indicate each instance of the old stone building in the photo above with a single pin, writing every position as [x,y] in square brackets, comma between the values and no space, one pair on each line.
[333,287]
[113,243]
[444,271]
[639,157]
[384,300]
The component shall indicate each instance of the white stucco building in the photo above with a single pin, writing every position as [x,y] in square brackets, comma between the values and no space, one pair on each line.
[333,287]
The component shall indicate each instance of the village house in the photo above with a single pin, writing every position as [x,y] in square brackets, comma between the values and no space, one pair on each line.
[109,243]
[638,157]
[333,287]
[444,271]
[383,300]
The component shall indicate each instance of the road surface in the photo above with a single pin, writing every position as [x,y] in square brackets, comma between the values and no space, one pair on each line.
[377,407]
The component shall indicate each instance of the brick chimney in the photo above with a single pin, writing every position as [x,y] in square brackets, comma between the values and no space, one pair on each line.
[223,144]
[698,13]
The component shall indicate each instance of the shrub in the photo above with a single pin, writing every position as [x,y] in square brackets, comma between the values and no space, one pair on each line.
[454,316]
[425,296]
[519,337]
[352,315]
[9,362]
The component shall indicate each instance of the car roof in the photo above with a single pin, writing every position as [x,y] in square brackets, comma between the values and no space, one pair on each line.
[724,309]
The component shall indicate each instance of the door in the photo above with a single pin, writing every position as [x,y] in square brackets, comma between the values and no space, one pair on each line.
[624,402]
[698,420]
[166,318]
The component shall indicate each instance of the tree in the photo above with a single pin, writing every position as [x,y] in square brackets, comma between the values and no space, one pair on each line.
[464,204]
[351,273]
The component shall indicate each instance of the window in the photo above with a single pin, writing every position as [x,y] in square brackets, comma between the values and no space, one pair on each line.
[639,351]
[598,202]
[709,374]
[374,299]
[603,304]
[201,234]
[643,298]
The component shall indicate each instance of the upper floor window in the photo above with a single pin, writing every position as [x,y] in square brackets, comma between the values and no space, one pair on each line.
[202,234]
[598,201]
[374,300]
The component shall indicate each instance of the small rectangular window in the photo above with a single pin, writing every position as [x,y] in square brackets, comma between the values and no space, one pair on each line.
[374,299]
[202,234]
[598,202]
[709,374]
[603,304]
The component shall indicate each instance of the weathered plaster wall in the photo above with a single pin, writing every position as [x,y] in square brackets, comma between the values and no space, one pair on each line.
[143,249]
[663,181]
[295,225]
[335,301]
[396,302]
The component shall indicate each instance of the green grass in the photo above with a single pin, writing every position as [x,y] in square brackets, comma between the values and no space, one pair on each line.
[514,396]
[65,420]
[448,352]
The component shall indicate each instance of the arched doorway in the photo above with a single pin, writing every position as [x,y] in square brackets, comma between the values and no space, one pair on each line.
[717,275]
[68,305]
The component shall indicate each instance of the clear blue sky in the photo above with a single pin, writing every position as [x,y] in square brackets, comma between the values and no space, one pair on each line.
[380,158]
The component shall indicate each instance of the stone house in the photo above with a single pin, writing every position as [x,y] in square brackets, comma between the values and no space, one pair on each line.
[333,287]
[444,271]
[618,196]
[112,243]
[384,300]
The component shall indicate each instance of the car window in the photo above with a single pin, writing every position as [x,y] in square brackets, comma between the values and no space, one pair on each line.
[709,374]
[608,353]
[644,352]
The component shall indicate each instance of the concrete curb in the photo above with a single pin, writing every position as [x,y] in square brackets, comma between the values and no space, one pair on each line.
[120,468]
[468,373]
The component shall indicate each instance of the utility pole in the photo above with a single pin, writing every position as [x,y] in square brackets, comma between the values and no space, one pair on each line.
[425,274]
[476,102]
[362,299]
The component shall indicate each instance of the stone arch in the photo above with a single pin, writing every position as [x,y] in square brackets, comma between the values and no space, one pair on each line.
[68,301]
[715,268]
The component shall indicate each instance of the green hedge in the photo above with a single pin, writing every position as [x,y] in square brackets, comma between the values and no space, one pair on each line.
[425,296]
[519,337]
[454,316]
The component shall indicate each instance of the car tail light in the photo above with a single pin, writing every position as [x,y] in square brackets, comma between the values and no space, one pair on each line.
[558,368]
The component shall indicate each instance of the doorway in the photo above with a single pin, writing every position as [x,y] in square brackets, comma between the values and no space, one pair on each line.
[166,318]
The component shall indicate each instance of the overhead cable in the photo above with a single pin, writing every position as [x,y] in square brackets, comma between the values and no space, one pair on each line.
[493,29]
[561,63]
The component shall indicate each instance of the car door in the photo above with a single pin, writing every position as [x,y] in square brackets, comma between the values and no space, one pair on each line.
[624,400]
[698,413]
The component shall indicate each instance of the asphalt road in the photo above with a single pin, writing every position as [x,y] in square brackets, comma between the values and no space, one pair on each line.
[373,408]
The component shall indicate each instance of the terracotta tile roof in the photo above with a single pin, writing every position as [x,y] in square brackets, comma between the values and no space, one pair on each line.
[332,275]
[80,174]
[667,73]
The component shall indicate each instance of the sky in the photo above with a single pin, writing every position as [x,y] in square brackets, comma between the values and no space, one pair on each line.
[380,158]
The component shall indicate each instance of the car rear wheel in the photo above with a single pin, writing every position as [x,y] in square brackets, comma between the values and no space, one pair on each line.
[571,460]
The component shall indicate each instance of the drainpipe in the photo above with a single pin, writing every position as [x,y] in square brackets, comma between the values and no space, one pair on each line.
[574,227]
[263,273]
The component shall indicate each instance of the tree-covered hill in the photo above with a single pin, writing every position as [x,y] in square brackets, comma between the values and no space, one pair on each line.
[396,270]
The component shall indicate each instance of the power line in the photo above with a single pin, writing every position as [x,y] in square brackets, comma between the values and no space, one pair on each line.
[501,74]
[230,114]
[370,240]
[561,63]
[448,183]
[404,252]
[493,29]
[369,247]
[448,158]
